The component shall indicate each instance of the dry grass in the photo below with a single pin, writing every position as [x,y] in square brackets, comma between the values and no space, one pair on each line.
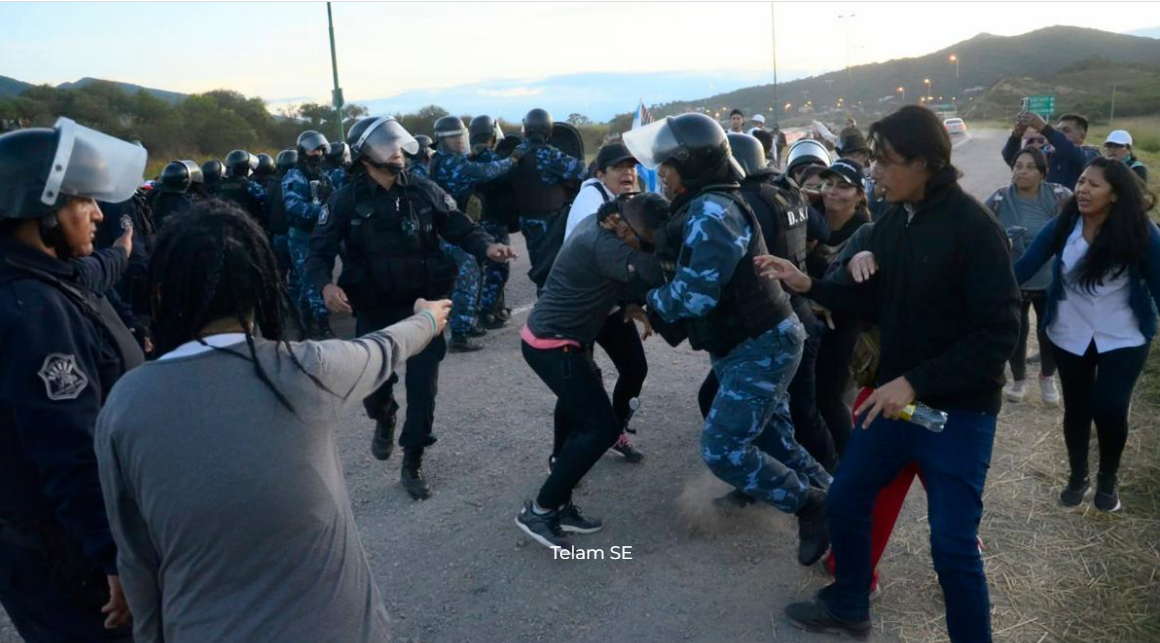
[1056,575]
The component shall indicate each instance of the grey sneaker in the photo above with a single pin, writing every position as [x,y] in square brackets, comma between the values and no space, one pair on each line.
[542,528]
[1015,392]
[572,520]
[1048,391]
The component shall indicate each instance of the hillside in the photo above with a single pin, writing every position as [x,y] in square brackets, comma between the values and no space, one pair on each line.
[11,86]
[172,98]
[983,61]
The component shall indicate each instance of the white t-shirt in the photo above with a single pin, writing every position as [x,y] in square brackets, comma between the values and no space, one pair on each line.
[588,200]
[1103,314]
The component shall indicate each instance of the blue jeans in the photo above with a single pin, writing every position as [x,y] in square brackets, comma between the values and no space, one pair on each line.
[955,464]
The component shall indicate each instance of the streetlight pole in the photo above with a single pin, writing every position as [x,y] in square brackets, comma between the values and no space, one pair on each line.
[958,89]
[337,96]
[1112,116]
[928,90]
[903,90]
[773,30]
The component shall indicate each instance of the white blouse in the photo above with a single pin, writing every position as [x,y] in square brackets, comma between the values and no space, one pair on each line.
[1103,314]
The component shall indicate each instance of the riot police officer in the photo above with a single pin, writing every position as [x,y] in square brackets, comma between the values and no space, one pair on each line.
[237,186]
[61,349]
[545,180]
[417,162]
[336,164]
[717,299]
[305,188]
[390,224]
[212,171]
[279,227]
[451,168]
[266,176]
[497,200]
[172,194]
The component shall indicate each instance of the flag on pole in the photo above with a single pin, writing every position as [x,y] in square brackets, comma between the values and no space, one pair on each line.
[641,118]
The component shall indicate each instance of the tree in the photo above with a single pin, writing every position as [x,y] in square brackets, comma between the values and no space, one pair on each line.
[576,120]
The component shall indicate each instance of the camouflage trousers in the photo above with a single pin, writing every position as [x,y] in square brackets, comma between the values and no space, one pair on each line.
[286,274]
[534,231]
[495,275]
[465,297]
[751,403]
[309,302]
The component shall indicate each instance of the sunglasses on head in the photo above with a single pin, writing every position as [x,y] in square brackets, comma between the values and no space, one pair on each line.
[1036,141]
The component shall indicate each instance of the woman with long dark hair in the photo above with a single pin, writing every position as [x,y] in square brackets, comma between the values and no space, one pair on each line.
[1023,208]
[218,461]
[1100,316]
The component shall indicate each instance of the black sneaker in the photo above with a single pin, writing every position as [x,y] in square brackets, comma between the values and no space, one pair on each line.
[736,499]
[543,528]
[816,617]
[411,475]
[463,344]
[813,528]
[1106,497]
[572,520]
[875,592]
[1073,494]
[624,449]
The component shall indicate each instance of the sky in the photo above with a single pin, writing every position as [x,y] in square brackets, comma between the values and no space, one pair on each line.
[280,50]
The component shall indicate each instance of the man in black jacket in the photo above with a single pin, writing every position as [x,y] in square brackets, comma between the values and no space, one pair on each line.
[948,305]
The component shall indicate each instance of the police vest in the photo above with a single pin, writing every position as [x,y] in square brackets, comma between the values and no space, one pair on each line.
[237,189]
[276,208]
[749,304]
[783,216]
[534,198]
[393,247]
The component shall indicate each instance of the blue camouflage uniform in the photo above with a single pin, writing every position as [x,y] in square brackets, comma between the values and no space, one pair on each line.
[555,167]
[418,170]
[337,177]
[457,174]
[754,375]
[302,212]
[495,274]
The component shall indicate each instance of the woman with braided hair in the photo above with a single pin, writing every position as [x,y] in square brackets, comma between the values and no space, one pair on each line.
[218,463]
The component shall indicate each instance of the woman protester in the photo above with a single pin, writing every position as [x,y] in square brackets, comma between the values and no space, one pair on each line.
[1023,209]
[62,346]
[1100,315]
[227,499]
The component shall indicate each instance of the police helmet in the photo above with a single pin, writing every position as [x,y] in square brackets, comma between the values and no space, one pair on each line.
[339,155]
[214,171]
[42,168]
[449,126]
[286,160]
[175,178]
[424,151]
[806,151]
[538,125]
[196,177]
[378,138]
[693,144]
[482,129]
[240,163]
[311,140]
[266,166]
[749,154]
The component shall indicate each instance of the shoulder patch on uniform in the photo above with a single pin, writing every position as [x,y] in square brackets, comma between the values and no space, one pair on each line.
[63,379]
[450,201]
[324,215]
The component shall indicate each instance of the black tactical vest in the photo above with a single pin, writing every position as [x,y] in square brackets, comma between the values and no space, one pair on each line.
[783,217]
[393,247]
[749,305]
[534,198]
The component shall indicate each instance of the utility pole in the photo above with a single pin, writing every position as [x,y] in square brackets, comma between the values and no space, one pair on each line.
[337,95]
[1112,116]
[773,29]
[846,18]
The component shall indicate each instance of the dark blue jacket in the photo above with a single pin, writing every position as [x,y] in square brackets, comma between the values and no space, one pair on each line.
[1067,160]
[1145,276]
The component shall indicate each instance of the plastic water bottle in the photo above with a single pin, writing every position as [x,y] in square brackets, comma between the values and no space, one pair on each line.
[924,416]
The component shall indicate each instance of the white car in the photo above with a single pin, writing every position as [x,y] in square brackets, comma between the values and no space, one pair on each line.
[955,126]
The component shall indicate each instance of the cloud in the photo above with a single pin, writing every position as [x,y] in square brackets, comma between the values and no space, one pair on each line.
[512,92]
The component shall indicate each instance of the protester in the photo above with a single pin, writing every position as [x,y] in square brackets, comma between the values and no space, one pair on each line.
[1023,208]
[758,122]
[591,275]
[1100,315]
[1118,145]
[736,121]
[948,308]
[219,462]
[1068,155]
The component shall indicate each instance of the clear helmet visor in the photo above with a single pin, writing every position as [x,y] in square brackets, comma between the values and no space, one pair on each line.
[93,165]
[652,144]
[382,140]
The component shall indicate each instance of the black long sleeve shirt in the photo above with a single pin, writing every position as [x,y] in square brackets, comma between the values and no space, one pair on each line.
[945,297]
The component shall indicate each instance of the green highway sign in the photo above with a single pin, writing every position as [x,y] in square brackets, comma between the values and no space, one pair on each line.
[943,107]
[1042,105]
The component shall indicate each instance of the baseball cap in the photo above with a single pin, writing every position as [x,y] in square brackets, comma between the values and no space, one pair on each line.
[1119,137]
[612,154]
[758,118]
[847,170]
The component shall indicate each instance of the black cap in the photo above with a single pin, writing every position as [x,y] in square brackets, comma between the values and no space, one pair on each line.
[612,154]
[847,170]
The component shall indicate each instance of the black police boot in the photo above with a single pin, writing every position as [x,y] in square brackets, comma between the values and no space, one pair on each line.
[412,474]
[383,444]
[463,344]
[813,528]
[492,322]
[504,314]
[736,499]
[477,331]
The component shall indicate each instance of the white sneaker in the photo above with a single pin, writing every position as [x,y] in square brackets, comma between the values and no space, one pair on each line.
[1047,388]
[1015,392]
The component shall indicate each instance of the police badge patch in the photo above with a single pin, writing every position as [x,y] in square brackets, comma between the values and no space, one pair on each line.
[126,223]
[324,215]
[63,379]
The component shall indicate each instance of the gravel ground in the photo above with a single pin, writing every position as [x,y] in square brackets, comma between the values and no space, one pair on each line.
[455,568]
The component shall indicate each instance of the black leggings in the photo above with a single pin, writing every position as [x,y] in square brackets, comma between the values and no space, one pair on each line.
[1036,298]
[620,341]
[584,417]
[833,372]
[1098,386]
